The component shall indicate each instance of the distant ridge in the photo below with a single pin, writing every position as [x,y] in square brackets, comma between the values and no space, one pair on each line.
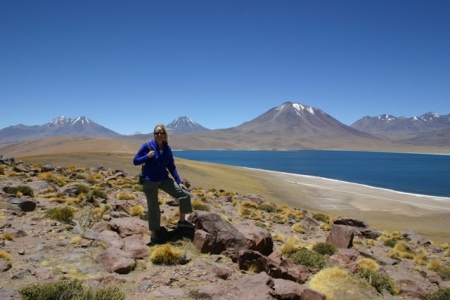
[390,126]
[60,126]
[184,124]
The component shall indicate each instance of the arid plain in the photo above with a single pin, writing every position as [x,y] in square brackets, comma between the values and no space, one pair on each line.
[381,209]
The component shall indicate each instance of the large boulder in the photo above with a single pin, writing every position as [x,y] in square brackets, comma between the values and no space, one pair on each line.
[259,239]
[110,239]
[24,204]
[128,226]
[341,236]
[116,260]
[259,286]
[361,227]
[220,236]
[289,290]
[136,246]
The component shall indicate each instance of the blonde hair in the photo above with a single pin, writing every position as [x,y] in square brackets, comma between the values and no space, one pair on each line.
[164,129]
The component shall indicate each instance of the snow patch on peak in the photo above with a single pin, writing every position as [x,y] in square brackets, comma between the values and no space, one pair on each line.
[60,120]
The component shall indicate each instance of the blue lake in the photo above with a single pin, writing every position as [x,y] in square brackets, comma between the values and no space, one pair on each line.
[425,174]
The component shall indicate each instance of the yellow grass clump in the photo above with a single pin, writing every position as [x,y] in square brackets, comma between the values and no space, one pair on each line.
[125,196]
[297,227]
[368,263]
[277,237]
[137,210]
[279,218]
[402,250]
[337,284]
[165,254]
[433,265]
[247,211]
[7,236]
[296,215]
[447,252]
[50,177]
[291,245]
[2,170]
[198,204]
[421,257]
[417,268]
[5,255]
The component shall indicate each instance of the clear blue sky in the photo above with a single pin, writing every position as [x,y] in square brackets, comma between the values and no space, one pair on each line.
[128,65]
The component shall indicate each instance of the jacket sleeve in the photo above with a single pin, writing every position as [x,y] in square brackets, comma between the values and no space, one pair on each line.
[172,168]
[142,155]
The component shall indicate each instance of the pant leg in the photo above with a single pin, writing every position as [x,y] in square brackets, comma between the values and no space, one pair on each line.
[154,214]
[182,197]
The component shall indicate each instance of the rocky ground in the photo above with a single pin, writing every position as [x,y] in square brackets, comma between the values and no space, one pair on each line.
[90,224]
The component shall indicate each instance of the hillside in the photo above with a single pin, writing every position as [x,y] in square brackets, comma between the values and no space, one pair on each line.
[109,248]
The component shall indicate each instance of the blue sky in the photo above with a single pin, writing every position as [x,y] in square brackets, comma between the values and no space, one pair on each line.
[128,65]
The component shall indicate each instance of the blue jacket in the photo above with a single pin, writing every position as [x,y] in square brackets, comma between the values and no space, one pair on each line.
[158,167]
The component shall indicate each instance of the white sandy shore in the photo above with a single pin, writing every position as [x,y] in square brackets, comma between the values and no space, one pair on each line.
[330,194]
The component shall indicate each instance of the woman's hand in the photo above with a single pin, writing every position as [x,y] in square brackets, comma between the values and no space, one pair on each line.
[151,154]
[183,187]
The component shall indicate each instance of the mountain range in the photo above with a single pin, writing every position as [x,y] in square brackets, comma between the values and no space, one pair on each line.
[291,125]
[390,126]
[60,126]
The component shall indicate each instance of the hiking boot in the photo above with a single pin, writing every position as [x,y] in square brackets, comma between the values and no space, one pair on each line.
[185,224]
[156,241]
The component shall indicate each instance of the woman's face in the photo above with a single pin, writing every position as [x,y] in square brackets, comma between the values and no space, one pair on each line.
[160,135]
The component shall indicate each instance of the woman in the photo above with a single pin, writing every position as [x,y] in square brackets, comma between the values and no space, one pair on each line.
[158,159]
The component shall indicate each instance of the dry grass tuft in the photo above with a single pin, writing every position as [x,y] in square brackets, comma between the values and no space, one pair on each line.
[279,218]
[198,204]
[125,196]
[337,284]
[7,236]
[297,227]
[5,255]
[277,237]
[165,255]
[249,212]
[137,210]
[291,245]
[402,250]
[368,263]
[421,257]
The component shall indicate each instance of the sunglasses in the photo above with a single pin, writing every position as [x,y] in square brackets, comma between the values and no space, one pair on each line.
[159,133]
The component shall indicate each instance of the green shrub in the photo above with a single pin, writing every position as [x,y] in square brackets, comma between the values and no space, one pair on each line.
[26,190]
[10,190]
[377,280]
[390,243]
[144,216]
[308,258]
[261,224]
[444,272]
[267,208]
[69,290]
[99,194]
[441,294]
[62,214]
[83,189]
[321,218]
[325,248]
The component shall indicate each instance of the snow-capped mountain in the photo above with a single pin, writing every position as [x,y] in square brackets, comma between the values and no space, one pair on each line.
[388,125]
[60,126]
[184,124]
[296,118]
